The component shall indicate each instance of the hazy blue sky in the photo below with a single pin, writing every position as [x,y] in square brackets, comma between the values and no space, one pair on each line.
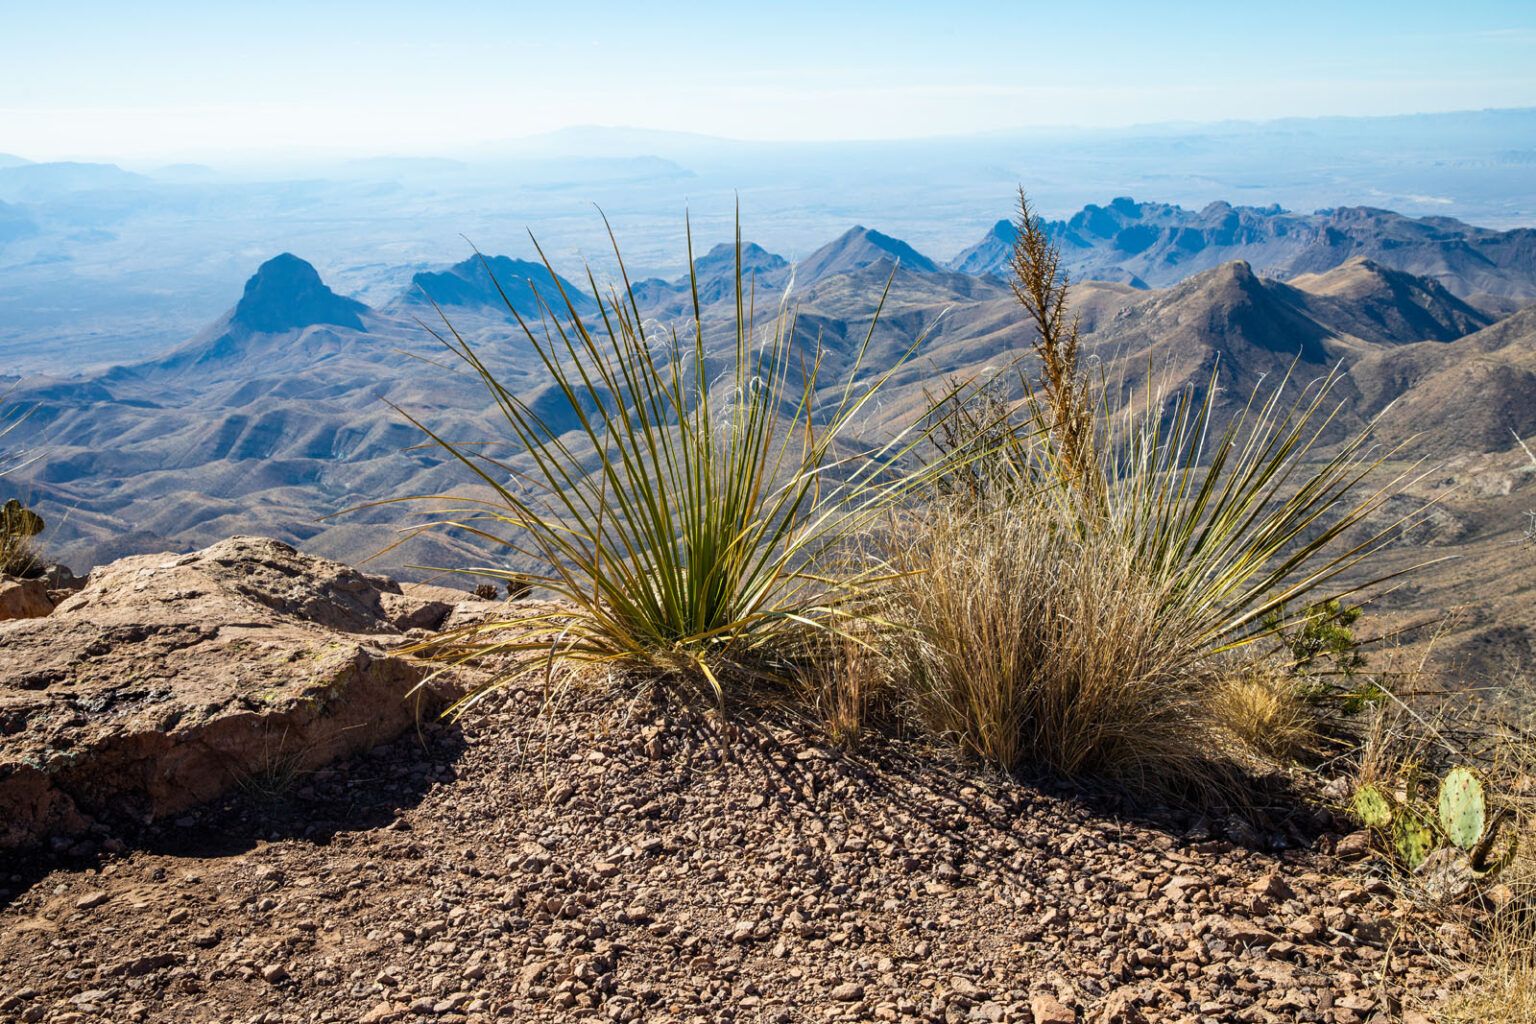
[205,79]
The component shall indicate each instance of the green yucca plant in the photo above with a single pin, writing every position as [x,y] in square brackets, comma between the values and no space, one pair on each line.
[1238,522]
[1079,617]
[1075,596]
[697,521]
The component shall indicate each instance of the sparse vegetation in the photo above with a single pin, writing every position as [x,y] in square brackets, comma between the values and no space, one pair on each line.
[1503,987]
[1081,591]
[1444,785]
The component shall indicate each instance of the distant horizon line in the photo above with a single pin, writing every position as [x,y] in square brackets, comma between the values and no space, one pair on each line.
[491,150]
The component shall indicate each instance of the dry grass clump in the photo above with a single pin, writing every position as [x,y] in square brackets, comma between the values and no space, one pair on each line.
[846,679]
[1503,987]
[18,553]
[1267,711]
[1035,645]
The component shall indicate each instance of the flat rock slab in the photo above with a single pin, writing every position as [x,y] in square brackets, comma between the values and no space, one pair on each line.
[170,678]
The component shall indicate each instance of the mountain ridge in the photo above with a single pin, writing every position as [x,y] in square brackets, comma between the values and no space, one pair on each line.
[280,412]
[1160,243]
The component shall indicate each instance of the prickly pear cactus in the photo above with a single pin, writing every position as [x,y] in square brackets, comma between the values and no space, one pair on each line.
[1463,810]
[1372,807]
[1412,838]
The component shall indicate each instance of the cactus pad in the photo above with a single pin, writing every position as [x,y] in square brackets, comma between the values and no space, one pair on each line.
[1463,810]
[1372,807]
[1412,839]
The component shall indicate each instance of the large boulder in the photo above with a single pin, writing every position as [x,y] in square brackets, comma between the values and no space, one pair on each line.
[169,678]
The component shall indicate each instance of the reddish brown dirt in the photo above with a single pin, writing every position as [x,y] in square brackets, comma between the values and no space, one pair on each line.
[620,861]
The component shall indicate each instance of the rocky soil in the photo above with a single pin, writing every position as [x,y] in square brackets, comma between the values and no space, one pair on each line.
[624,859]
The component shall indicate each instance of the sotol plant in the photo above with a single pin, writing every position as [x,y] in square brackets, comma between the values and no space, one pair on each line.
[696,522]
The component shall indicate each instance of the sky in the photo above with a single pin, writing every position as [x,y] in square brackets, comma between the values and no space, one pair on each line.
[225,80]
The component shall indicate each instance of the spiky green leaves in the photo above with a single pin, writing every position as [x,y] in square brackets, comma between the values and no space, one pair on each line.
[697,518]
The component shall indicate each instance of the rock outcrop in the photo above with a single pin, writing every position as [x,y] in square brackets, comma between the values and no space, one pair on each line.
[23,598]
[169,678]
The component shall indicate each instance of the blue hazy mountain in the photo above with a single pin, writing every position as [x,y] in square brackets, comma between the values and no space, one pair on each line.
[287,319]
[122,266]
[15,223]
[856,248]
[486,286]
[281,411]
[286,294]
[762,272]
[47,180]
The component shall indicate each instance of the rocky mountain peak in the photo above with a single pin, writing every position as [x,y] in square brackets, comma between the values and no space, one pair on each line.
[286,293]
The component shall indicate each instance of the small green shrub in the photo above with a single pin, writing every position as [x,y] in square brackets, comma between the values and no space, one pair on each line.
[1322,637]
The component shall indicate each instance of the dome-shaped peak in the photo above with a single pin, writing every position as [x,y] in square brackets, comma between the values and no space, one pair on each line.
[286,294]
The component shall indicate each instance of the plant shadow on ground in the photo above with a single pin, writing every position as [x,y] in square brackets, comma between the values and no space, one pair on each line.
[947,793]
[768,747]
[356,794]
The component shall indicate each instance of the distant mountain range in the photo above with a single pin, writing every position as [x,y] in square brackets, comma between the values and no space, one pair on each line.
[21,180]
[277,414]
[1155,245]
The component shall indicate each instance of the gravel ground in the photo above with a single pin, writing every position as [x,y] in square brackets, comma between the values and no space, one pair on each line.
[625,861]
